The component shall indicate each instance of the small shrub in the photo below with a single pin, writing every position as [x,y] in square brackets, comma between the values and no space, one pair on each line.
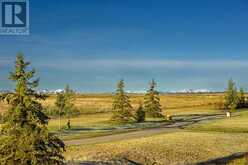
[140,114]
[1,118]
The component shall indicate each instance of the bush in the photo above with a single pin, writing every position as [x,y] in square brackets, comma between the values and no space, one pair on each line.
[140,114]
[1,118]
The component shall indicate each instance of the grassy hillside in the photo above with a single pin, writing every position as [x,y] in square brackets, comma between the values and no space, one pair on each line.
[172,148]
[238,123]
[207,140]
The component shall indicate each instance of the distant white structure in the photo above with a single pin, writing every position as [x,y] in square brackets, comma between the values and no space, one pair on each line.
[45,91]
[191,91]
[174,91]
[59,91]
[138,92]
[228,114]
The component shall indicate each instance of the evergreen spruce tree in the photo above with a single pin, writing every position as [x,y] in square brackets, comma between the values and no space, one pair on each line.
[140,113]
[25,139]
[231,96]
[122,108]
[152,102]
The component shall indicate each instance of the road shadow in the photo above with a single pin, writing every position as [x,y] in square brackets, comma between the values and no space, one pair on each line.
[128,126]
[183,121]
[231,159]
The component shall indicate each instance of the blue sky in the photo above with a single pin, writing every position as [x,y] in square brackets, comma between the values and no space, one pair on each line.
[91,44]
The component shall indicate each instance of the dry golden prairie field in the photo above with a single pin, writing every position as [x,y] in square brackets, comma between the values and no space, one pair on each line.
[91,103]
[104,101]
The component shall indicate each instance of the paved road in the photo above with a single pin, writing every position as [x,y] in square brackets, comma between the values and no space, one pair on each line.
[178,125]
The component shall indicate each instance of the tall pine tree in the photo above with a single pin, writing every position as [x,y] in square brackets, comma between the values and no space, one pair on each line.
[25,139]
[152,102]
[122,108]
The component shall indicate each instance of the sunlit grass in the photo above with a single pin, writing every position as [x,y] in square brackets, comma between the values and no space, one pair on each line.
[219,138]
[93,125]
[172,148]
[92,103]
[81,121]
[234,124]
[192,110]
[99,124]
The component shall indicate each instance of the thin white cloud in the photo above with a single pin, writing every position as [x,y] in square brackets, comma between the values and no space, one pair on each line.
[5,61]
[145,63]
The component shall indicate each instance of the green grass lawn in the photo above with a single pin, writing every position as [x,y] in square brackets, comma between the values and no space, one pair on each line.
[102,119]
[83,121]
[98,124]
[236,124]
[93,125]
